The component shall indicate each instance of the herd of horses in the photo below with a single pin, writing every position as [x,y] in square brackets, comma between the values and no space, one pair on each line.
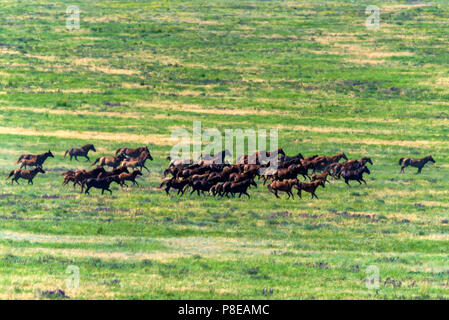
[211,173]
[123,160]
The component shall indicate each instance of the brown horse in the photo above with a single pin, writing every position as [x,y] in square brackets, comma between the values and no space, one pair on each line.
[113,162]
[309,187]
[417,163]
[256,157]
[322,176]
[35,161]
[138,162]
[133,153]
[320,163]
[80,152]
[283,186]
[129,177]
[80,176]
[24,174]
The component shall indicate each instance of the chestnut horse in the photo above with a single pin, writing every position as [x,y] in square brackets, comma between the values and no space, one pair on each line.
[129,177]
[133,153]
[24,174]
[113,162]
[138,162]
[80,152]
[34,161]
[417,163]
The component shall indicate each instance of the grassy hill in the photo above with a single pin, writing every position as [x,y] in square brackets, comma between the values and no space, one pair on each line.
[137,70]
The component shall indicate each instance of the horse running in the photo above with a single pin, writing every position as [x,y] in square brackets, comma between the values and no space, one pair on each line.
[24,174]
[80,152]
[417,163]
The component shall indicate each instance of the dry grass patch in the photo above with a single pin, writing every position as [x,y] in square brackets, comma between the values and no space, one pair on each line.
[156,139]
[75,112]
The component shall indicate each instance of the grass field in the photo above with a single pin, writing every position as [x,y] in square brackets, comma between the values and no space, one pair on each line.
[136,70]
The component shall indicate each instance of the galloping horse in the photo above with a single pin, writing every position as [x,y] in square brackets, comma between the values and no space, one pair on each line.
[24,174]
[35,161]
[417,163]
[259,155]
[217,158]
[320,163]
[133,153]
[113,162]
[138,162]
[80,152]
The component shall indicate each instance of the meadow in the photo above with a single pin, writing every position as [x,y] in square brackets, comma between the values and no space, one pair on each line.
[137,70]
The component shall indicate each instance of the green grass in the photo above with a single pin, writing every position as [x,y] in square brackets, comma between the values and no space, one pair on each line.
[136,70]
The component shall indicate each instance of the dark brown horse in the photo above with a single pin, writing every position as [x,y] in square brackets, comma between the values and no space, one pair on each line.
[133,153]
[417,163]
[102,184]
[356,174]
[35,160]
[80,176]
[80,152]
[175,183]
[24,174]
[113,162]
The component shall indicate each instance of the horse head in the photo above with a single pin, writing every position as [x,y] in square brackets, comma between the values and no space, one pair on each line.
[344,156]
[49,154]
[430,158]
[366,170]
[367,160]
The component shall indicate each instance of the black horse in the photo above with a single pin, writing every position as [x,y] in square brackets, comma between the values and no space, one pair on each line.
[80,152]
[102,184]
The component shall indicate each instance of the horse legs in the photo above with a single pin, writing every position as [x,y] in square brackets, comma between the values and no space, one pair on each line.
[87,190]
[363,180]
[76,158]
[109,190]
[347,182]
[246,193]
[402,169]
[314,195]
[88,159]
[419,170]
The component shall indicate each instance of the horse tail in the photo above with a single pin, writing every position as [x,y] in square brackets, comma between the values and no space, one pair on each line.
[65,154]
[10,175]
[400,161]
[93,163]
